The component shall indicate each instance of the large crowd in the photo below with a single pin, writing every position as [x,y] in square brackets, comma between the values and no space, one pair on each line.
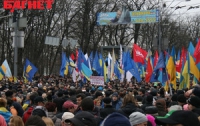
[57,101]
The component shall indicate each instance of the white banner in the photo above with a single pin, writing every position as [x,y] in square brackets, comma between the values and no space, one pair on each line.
[97,80]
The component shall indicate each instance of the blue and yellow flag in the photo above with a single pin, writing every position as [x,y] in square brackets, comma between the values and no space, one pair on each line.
[1,73]
[29,70]
[86,71]
[6,69]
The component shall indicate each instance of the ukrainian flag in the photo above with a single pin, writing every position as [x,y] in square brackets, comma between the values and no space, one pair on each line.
[1,73]
[6,69]
[29,70]
[86,71]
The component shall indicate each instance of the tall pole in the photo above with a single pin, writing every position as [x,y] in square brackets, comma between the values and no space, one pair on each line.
[15,42]
[159,32]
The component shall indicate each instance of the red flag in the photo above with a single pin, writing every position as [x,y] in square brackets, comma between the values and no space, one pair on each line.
[76,54]
[149,70]
[197,52]
[182,60]
[72,56]
[155,59]
[139,55]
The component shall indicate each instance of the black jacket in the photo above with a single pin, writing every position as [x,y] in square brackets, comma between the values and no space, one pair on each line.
[106,111]
[128,109]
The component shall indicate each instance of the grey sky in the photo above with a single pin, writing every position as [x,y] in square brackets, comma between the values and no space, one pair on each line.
[185,5]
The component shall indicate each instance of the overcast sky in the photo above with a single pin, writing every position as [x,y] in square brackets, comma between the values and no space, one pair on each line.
[185,5]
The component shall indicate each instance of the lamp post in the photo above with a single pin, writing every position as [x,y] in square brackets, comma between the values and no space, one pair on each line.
[15,21]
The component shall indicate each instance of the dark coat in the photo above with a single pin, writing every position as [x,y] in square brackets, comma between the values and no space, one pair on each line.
[128,109]
[108,109]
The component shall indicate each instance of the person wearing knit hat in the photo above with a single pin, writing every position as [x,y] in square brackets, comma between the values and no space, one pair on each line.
[181,99]
[196,92]
[151,120]
[194,104]
[116,119]
[137,118]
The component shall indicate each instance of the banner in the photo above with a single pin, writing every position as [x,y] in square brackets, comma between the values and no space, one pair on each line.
[128,17]
[97,80]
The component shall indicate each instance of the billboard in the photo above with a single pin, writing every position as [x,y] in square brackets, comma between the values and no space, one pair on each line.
[128,17]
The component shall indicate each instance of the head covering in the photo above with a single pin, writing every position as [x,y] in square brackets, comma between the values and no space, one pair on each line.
[100,88]
[181,98]
[69,104]
[9,93]
[67,115]
[38,99]
[196,92]
[116,119]
[151,119]
[83,118]
[186,118]
[97,94]
[115,94]
[175,107]
[194,101]
[149,98]
[137,118]
[107,100]
[40,111]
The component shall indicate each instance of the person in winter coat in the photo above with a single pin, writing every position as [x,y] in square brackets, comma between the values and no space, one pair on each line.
[29,110]
[3,111]
[129,106]
[51,108]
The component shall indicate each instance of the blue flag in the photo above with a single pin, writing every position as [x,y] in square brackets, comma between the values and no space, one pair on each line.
[159,72]
[64,64]
[29,70]
[96,65]
[81,59]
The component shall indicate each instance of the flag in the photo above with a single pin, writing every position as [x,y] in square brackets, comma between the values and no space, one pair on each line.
[182,59]
[139,55]
[134,70]
[81,59]
[72,56]
[96,65]
[109,65]
[197,52]
[191,49]
[155,59]
[149,70]
[6,69]
[105,72]
[91,58]
[193,68]
[64,65]
[86,71]
[130,65]
[159,72]
[1,74]
[173,54]
[71,62]
[101,64]
[171,70]
[112,65]
[186,75]
[117,71]
[29,70]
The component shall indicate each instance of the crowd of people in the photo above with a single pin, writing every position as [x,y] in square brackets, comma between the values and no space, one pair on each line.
[57,101]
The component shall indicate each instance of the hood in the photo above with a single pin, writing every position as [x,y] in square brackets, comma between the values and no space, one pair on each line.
[6,115]
[52,116]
